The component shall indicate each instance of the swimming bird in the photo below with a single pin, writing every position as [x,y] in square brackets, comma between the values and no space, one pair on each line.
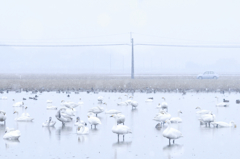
[63,118]
[164,104]
[176,119]
[49,123]
[80,102]
[221,104]
[82,130]
[49,101]
[122,103]
[93,120]
[223,124]
[120,129]
[202,111]
[112,111]
[24,117]
[149,99]
[51,107]
[69,104]
[96,110]
[3,116]
[100,98]
[78,122]
[18,104]
[3,98]
[171,133]
[11,134]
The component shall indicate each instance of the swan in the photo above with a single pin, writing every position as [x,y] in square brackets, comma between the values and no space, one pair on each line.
[49,123]
[149,99]
[3,116]
[68,112]
[171,133]
[23,117]
[176,119]
[164,104]
[11,134]
[63,118]
[51,107]
[96,110]
[100,98]
[112,111]
[80,103]
[3,98]
[162,117]
[93,120]
[207,119]
[78,122]
[223,124]
[134,104]
[49,101]
[120,118]
[221,104]
[122,103]
[120,129]
[82,130]
[69,104]
[202,111]
[18,104]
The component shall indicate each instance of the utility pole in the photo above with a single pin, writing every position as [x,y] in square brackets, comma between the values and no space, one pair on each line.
[132,72]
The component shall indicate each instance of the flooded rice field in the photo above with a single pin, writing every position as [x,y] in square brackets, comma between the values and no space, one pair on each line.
[145,141]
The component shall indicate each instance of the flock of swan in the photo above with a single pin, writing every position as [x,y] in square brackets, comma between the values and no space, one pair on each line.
[66,114]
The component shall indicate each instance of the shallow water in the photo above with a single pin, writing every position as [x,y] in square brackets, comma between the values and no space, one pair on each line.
[145,141]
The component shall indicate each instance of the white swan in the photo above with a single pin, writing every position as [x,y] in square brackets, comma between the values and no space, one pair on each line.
[24,117]
[96,110]
[49,101]
[80,102]
[11,134]
[68,112]
[134,104]
[18,104]
[51,107]
[69,104]
[164,104]
[63,118]
[120,129]
[112,111]
[3,116]
[49,123]
[120,118]
[202,111]
[93,120]
[3,98]
[149,99]
[176,119]
[122,103]
[100,98]
[78,122]
[221,104]
[162,117]
[223,124]
[82,130]
[171,133]
[207,119]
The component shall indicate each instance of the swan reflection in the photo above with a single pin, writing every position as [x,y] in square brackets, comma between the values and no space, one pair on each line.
[173,150]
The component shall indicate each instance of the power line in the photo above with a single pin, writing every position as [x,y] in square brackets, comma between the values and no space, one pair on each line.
[196,46]
[77,45]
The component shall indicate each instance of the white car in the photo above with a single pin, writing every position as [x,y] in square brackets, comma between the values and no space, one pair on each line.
[208,75]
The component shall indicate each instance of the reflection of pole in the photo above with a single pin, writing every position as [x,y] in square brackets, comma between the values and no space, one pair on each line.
[110,63]
[132,75]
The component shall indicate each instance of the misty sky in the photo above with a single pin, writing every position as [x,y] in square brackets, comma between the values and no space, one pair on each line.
[111,21]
